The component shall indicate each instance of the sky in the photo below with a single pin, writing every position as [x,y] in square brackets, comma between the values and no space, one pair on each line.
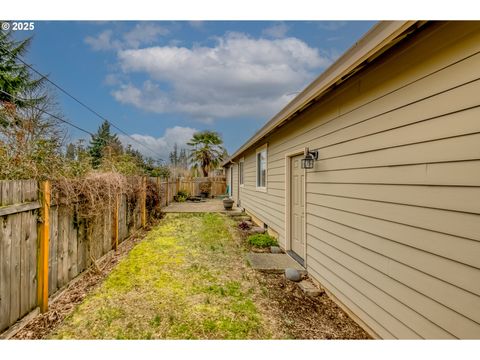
[160,81]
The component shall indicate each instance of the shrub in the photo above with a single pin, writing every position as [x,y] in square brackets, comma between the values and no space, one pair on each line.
[153,200]
[181,196]
[262,240]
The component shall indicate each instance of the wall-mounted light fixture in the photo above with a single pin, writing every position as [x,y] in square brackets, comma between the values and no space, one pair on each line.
[309,160]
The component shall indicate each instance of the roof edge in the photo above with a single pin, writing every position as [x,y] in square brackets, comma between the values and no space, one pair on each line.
[371,45]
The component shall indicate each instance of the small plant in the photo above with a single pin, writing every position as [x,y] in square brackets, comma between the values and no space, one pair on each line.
[244,225]
[262,240]
[181,196]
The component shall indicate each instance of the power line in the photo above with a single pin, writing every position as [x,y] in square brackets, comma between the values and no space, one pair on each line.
[46,112]
[82,103]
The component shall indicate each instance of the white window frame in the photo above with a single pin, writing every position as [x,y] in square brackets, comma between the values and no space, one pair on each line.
[259,150]
[241,174]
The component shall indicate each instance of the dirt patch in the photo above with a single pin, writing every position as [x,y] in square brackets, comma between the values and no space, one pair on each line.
[295,315]
[65,302]
[301,317]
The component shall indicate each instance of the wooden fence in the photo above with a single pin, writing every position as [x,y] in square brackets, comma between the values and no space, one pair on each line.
[18,249]
[22,232]
[170,187]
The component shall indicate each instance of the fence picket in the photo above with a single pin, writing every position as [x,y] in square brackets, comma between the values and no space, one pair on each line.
[5,268]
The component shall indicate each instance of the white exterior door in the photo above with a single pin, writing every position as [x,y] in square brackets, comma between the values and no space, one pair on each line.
[230,181]
[297,206]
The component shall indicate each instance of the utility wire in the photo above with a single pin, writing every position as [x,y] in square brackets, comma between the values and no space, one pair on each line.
[82,103]
[46,112]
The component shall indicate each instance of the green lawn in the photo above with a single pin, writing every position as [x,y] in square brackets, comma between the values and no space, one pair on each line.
[186,280]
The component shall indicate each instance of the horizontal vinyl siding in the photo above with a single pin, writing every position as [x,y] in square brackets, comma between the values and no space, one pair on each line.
[393,260]
[267,206]
[393,203]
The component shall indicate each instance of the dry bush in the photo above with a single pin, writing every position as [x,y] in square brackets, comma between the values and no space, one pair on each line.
[92,195]
[154,195]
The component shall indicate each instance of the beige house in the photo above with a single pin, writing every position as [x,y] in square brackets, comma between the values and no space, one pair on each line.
[388,219]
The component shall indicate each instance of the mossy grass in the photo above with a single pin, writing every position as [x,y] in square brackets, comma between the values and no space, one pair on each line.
[262,240]
[185,280]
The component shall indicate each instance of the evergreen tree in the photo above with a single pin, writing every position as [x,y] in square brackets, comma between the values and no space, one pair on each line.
[174,155]
[135,154]
[183,159]
[102,140]
[70,152]
[15,77]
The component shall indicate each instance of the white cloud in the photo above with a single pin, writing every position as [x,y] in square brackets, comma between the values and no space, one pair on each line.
[276,31]
[143,33]
[103,41]
[161,145]
[239,76]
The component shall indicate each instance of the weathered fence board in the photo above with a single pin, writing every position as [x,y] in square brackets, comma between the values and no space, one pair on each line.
[53,251]
[5,268]
[62,252]
[72,247]
[122,219]
[24,265]
[15,209]
[32,259]
[81,249]
[16,222]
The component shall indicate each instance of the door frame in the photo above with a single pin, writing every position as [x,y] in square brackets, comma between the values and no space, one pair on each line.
[230,181]
[288,189]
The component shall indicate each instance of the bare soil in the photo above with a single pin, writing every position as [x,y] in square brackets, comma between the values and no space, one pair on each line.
[303,317]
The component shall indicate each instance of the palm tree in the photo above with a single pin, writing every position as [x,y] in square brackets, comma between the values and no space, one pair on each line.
[207,152]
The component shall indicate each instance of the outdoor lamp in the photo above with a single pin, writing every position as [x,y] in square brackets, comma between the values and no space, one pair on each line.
[309,160]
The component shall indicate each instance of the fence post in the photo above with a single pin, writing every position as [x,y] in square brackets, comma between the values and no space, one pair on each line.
[167,194]
[159,185]
[144,201]
[115,220]
[44,238]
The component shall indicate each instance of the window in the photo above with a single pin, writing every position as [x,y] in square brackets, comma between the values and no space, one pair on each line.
[262,168]
[240,172]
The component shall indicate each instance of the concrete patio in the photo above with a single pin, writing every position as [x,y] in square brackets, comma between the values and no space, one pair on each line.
[274,263]
[209,205]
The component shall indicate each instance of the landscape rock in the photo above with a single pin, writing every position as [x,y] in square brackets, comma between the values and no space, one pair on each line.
[275,250]
[256,230]
[293,274]
[242,218]
[309,289]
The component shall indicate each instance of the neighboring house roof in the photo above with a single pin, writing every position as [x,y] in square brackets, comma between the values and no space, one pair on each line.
[376,41]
